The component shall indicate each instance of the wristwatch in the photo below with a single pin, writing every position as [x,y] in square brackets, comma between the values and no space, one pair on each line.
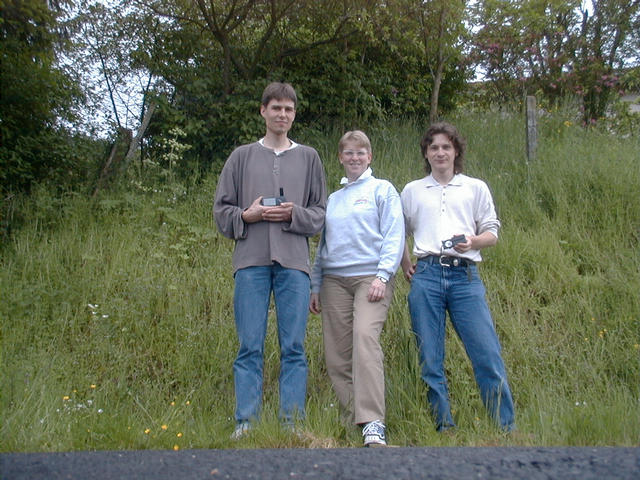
[382,279]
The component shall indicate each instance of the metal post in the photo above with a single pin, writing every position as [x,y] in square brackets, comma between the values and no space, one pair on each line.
[532,128]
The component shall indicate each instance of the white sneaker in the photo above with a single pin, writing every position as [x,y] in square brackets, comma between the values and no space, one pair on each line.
[241,430]
[373,434]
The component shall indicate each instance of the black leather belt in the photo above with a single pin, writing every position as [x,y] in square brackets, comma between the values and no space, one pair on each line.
[447,261]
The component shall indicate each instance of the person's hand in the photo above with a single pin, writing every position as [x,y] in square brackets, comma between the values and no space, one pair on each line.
[464,246]
[258,212]
[376,290]
[254,213]
[280,213]
[409,270]
[477,242]
[314,304]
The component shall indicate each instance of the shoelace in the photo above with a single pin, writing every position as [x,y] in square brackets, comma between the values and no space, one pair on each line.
[374,428]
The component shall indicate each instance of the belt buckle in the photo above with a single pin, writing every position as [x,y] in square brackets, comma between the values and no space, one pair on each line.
[446,261]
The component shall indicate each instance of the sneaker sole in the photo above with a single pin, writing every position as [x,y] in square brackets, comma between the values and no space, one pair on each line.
[375,442]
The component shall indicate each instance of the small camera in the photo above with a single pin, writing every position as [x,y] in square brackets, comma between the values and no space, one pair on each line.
[453,241]
[274,201]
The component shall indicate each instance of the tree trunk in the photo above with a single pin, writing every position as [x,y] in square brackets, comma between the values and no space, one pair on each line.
[441,59]
[123,150]
[435,94]
[121,143]
[135,143]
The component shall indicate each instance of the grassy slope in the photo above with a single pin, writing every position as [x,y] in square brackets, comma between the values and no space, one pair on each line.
[117,324]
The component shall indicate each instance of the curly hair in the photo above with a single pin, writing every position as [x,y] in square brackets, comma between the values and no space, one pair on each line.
[459,144]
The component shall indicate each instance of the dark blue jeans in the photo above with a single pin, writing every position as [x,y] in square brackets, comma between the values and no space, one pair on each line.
[436,289]
[253,287]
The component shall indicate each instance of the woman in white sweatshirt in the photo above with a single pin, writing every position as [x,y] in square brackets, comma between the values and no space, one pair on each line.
[352,283]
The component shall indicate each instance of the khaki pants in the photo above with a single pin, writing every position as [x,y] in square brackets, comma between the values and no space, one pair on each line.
[351,326]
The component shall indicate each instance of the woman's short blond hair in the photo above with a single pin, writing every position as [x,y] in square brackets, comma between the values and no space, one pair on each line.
[355,136]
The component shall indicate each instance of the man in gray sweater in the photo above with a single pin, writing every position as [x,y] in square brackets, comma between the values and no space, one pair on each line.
[271,197]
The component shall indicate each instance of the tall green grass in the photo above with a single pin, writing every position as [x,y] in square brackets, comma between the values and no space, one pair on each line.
[117,327]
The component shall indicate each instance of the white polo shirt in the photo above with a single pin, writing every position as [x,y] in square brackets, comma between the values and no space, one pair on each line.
[435,212]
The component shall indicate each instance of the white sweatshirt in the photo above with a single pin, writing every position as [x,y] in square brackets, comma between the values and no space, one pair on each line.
[363,232]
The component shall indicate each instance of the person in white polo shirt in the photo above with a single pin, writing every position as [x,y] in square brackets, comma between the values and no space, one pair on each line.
[451,218]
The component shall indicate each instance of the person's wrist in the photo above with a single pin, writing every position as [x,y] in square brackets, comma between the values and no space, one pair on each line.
[382,279]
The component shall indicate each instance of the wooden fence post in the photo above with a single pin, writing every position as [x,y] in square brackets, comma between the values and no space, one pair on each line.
[532,128]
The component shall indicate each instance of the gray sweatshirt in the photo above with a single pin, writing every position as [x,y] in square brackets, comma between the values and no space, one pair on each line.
[253,170]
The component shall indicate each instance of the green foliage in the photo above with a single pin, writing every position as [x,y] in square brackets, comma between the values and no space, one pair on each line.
[117,326]
[556,48]
[212,124]
[620,117]
[622,120]
[347,61]
[206,64]
[37,98]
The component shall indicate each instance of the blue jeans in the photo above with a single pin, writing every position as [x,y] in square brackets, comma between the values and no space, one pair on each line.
[459,290]
[253,287]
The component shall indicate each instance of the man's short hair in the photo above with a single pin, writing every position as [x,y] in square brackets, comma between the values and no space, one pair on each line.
[279,91]
[454,137]
[356,136]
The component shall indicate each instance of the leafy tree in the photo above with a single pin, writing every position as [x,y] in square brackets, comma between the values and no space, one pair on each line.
[526,44]
[37,98]
[218,56]
[121,88]
[116,84]
[207,62]
[253,36]
[350,60]
[443,36]
[602,51]
[557,48]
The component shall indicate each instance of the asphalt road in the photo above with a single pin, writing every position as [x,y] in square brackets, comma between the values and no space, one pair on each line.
[342,463]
